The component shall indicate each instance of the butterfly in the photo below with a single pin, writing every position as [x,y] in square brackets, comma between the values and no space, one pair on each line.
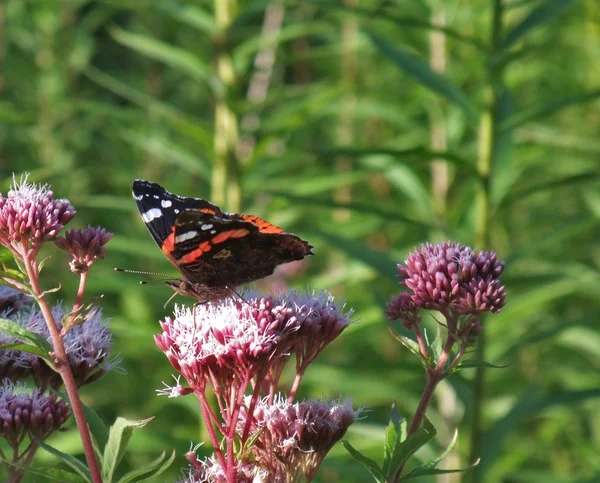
[215,251]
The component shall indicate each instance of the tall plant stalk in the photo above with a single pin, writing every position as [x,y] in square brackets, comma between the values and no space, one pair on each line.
[225,179]
[487,148]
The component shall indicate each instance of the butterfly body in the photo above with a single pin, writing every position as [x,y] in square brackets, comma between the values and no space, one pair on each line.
[215,251]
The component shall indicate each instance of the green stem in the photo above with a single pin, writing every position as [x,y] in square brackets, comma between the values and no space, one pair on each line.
[487,148]
[225,180]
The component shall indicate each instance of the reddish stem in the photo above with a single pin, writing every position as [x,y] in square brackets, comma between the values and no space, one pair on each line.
[294,388]
[80,290]
[421,341]
[206,415]
[64,369]
[255,393]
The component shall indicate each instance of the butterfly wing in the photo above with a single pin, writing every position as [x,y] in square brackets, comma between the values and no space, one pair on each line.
[160,208]
[232,249]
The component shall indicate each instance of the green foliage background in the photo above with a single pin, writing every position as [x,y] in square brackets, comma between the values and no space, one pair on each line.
[359,147]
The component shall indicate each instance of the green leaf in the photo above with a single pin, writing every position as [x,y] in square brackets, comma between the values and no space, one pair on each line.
[191,15]
[469,363]
[49,474]
[411,345]
[380,261]
[97,428]
[395,434]
[368,463]
[437,345]
[151,470]
[538,16]
[537,112]
[69,460]
[31,349]
[118,439]
[577,179]
[175,57]
[420,472]
[36,343]
[419,70]
[415,441]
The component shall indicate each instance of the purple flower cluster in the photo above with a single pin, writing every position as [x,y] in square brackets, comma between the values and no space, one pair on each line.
[12,300]
[87,346]
[30,414]
[85,246]
[29,215]
[448,277]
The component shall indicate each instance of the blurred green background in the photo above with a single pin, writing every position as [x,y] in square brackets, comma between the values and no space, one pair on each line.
[367,127]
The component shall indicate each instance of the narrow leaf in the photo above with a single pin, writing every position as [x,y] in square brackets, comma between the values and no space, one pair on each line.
[414,442]
[97,427]
[31,349]
[537,112]
[175,57]
[411,345]
[538,16]
[475,363]
[419,70]
[118,439]
[161,469]
[368,463]
[420,472]
[15,330]
[69,460]
[151,467]
[395,433]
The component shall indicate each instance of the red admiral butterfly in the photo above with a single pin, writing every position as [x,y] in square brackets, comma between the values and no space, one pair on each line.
[215,251]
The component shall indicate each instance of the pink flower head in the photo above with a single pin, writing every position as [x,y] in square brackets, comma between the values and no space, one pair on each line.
[29,216]
[209,470]
[403,308]
[30,414]
[87,346]
[450,275]
[85,246]
[293,439]
[234,340]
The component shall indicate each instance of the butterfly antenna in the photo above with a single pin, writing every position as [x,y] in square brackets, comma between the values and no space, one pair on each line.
[235,292]
[141,272]
[170,298]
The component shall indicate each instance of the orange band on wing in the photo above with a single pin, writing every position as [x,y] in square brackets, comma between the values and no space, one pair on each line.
[226,235]
[197,253]
[169,244]
[263,226]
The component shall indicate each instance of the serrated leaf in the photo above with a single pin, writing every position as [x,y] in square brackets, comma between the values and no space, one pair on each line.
[418,69]
[154,467]
[538,16]
[42,264]
[69,460]
[368,463]
[119,435]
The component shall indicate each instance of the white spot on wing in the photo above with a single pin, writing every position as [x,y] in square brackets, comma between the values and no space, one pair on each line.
[206,227]
[176,210]
[185,236]
[156,197]
[138,197]
[212,232]
[151,214]
[166,203]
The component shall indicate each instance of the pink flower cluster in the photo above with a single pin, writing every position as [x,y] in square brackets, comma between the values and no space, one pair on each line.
[85,246]
[448,277]
[236,346]
[29,215]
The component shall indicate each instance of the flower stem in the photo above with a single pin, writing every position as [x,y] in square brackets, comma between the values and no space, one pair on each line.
[206,412]
[487,149]
[64,369]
